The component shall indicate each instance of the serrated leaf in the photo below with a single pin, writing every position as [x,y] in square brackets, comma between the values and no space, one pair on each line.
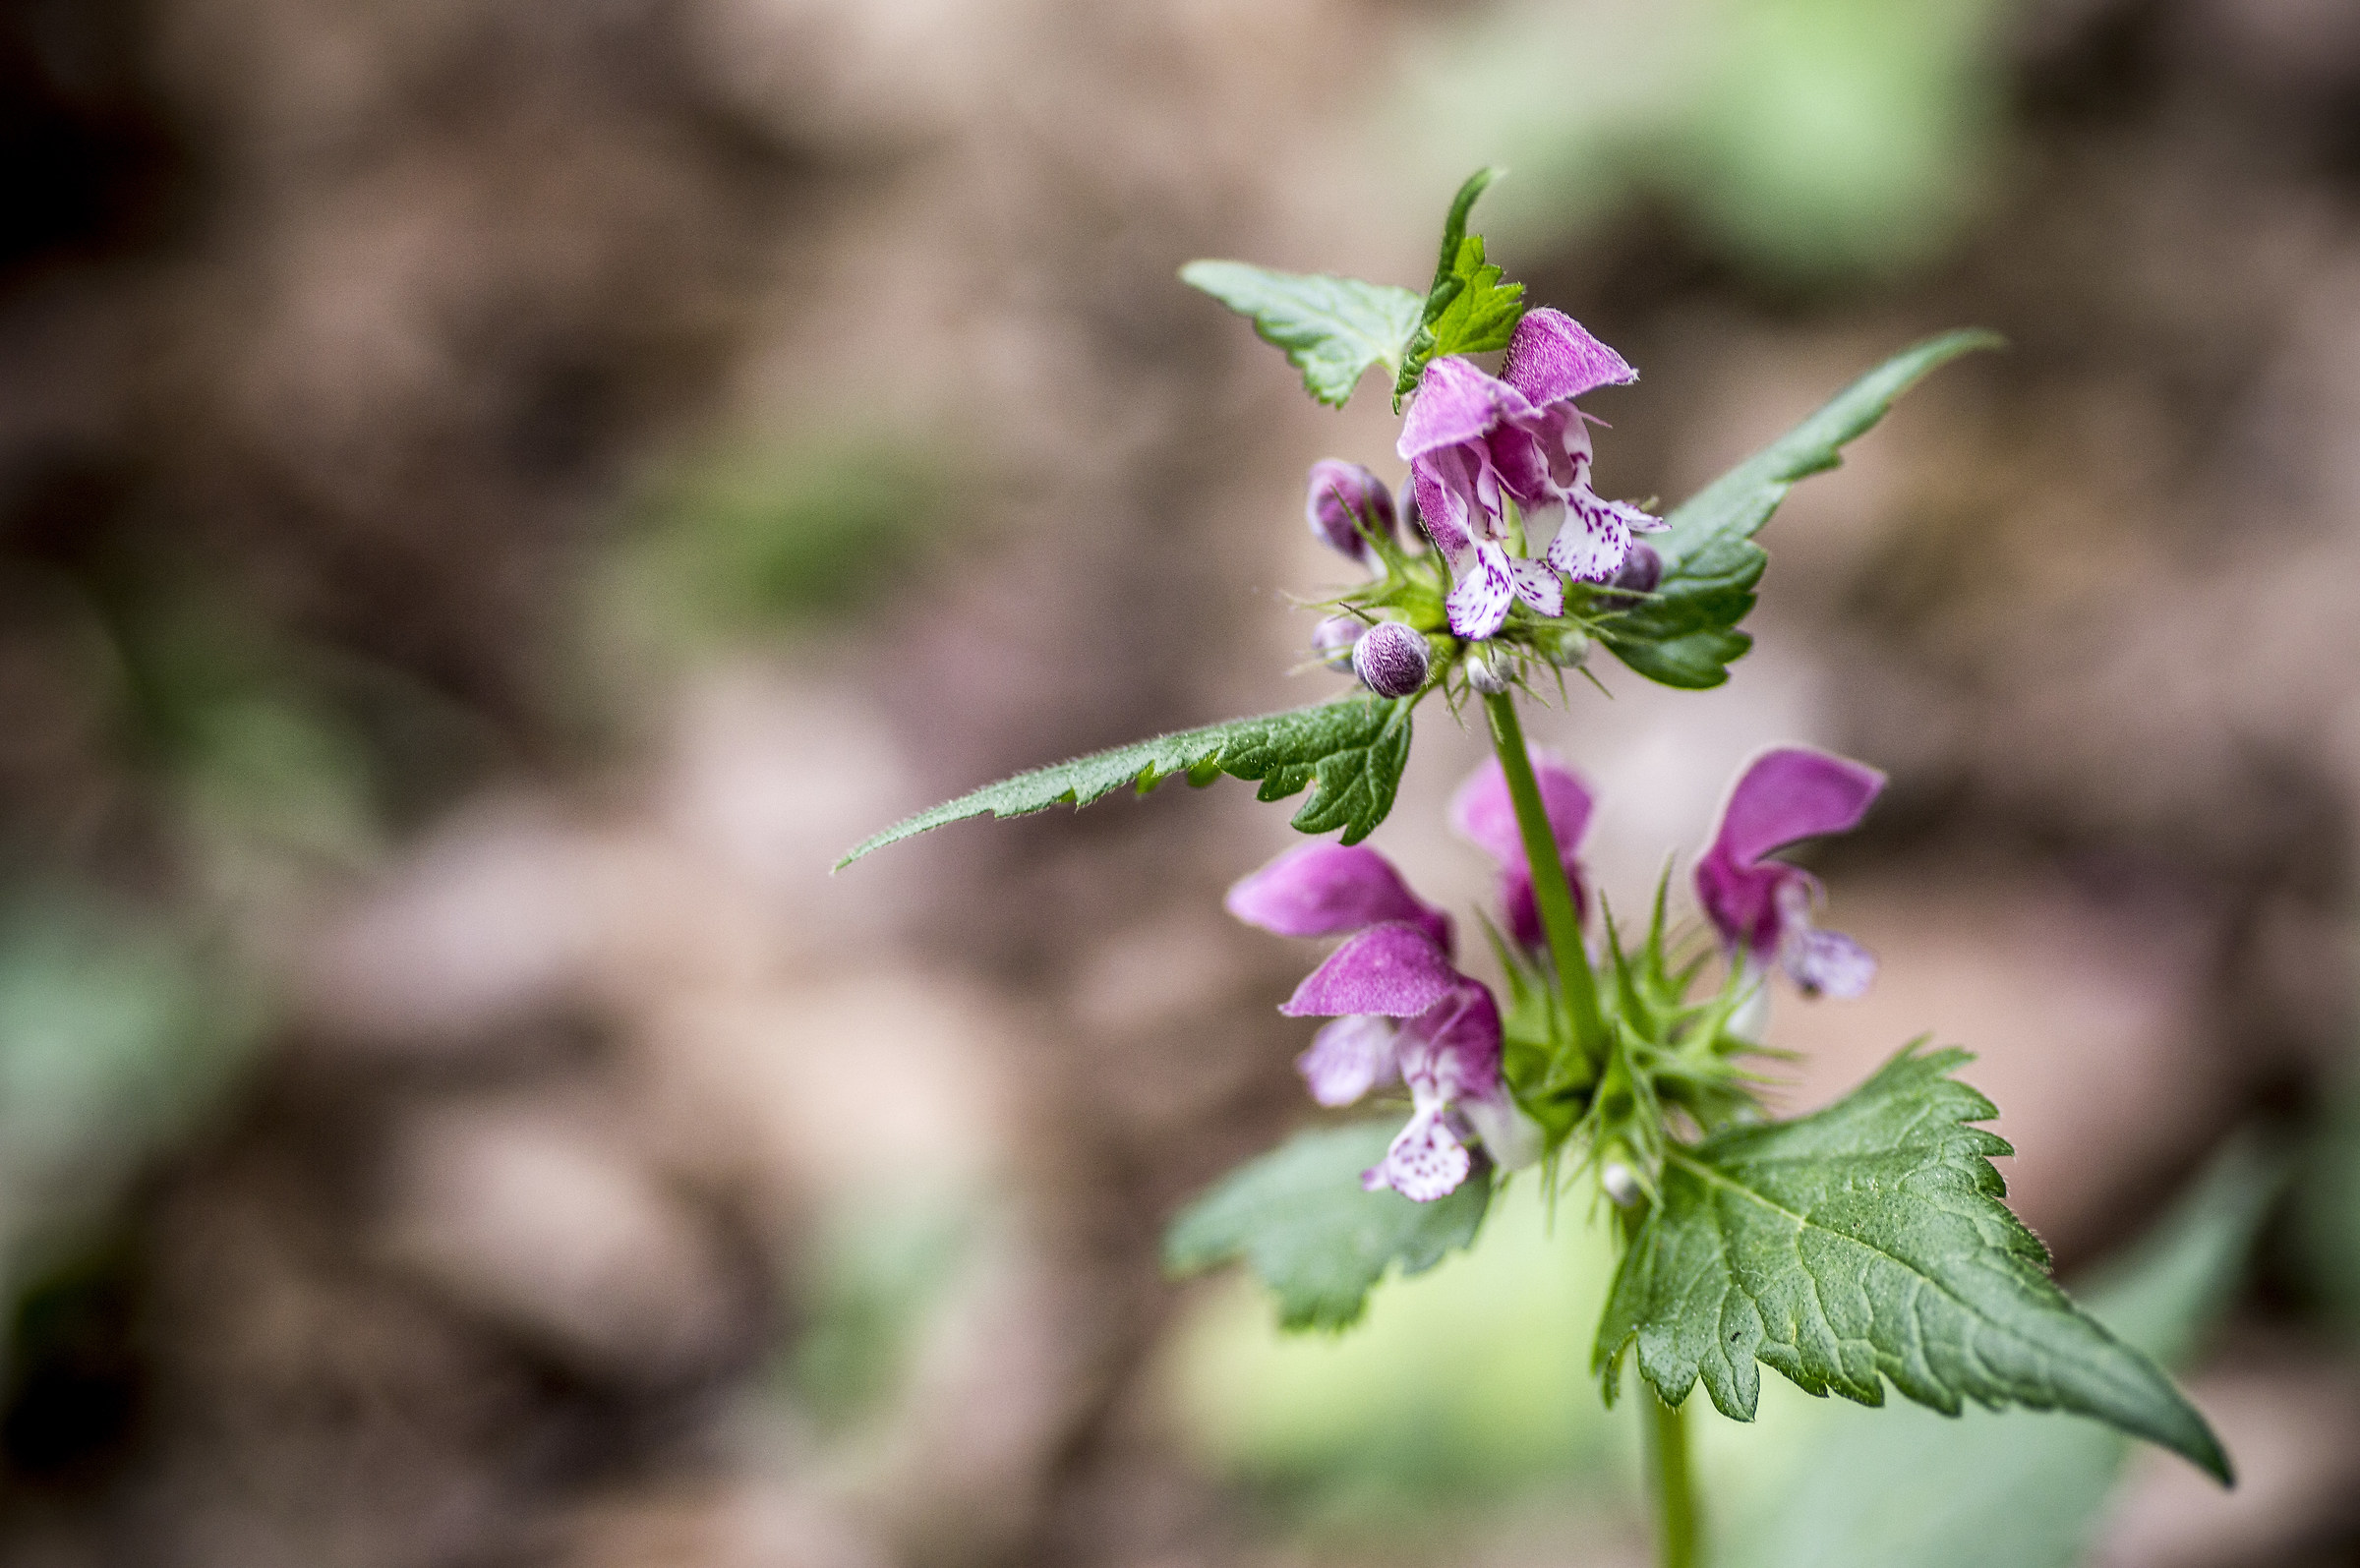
[1349,754]
[1331,329]
[1686,634]
[1466,311]
[1298,1218]
[1864,1244]
[1993,1490]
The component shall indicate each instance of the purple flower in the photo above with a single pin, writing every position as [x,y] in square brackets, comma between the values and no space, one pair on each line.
[1401,1009]
[1391,660]
[1325,890]
[1476,442]
[1332,639]
[1762,907]
[1445,1049]
[1483,813]
[1340,501]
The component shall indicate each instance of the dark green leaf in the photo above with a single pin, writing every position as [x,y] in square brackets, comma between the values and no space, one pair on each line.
[1332,328]
[1867,1243]
[1299,1219]
[2010,1491]
[1686,634]
[1349,754]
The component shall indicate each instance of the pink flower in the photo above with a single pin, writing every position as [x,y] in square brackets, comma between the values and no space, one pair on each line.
[1762,907]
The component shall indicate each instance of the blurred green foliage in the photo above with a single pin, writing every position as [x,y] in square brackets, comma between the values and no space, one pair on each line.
[880,1274]
[1808,141]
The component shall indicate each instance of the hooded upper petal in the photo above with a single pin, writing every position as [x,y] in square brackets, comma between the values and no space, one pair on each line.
[1323,889]
[1457,402]
[1789,793]
[1552,356]
[1395,971]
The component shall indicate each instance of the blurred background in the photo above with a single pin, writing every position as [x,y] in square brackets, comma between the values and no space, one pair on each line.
[495,497]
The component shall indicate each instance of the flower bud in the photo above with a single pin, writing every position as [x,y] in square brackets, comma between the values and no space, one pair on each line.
[1641,570]
[1488,674]
[1342,500]
[1332,639]
[1620,1181]
[1391,660]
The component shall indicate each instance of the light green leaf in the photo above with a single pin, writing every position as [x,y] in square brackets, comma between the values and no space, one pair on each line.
[1466,311]
[1686,634]
[1865,1243]
[1993,1490]
[1349,753]
[1299,1219]
[1331,329]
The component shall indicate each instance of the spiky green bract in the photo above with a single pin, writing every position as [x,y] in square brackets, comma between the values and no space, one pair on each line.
[1331,329]
[1686,633]
[1350,754]
[1466,310]
[1868,1241]
[1299,1219]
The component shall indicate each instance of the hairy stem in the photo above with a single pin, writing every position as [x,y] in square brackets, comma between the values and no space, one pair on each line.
[1551,893]
[1678,1537]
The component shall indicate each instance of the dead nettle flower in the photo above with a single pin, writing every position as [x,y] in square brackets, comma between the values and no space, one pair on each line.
[1391,659]
[1762,907]
[1345,505]
[1332,639]
[1483,814]
[1401,1009]
[1476,443]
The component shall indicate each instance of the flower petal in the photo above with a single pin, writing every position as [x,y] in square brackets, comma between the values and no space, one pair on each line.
[1512,1139]
[1789,793]
[1425,1162]
[1828,963]
[1749,904]
[1445,509]
[1457,402]
[1348,1058]
[1591,545]
[1323,889]
[1394,970]
[1552,356]
[1482,812]
[1537,586]
[1452,1048]
[1478,606]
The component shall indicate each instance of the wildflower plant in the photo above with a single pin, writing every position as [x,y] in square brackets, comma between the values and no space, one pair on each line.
[1861,1247]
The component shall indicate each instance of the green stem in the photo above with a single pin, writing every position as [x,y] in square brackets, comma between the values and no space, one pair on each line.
[1678,1539]
[1551,893]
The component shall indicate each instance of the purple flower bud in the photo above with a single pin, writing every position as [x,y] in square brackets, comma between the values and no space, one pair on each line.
[1391,660]
[1342,500]
[1642,569]
[1332,639]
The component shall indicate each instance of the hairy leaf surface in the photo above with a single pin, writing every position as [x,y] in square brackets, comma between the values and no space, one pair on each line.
[1298,1217]
[1865,1243]
[1686,634]
[1331,329]
[1349,754]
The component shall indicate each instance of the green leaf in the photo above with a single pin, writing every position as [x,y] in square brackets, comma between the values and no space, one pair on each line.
[1686,634]
[1466,311]
[1299,1219]
[1867,1243]
[1349,753]
[1993,1490]
[1332,328]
